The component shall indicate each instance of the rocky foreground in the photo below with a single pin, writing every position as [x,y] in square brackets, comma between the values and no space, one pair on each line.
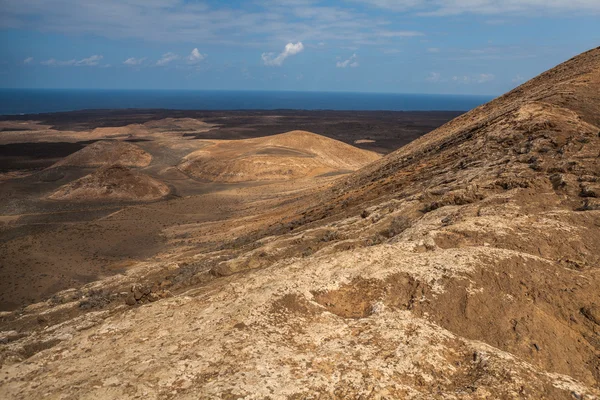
[464,265]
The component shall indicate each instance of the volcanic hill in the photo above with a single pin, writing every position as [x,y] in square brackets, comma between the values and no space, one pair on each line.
[464,265]
[291,155]
[104,152]
[112,182]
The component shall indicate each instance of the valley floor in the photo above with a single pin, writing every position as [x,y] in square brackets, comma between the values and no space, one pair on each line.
[47,246]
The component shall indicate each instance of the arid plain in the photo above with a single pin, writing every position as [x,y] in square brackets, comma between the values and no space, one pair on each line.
[87,194]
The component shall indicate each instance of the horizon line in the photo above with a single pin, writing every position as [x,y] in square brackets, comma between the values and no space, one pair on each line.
[252,90]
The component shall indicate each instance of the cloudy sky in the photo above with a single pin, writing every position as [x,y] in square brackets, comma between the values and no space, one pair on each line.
[403,46]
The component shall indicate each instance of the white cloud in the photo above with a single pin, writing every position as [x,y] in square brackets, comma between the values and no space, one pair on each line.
[91,61]
[206,22]
[132,61]
[28,60]
[518,79]
[263,23]
[166,59]
[486,7]
[433,50]
[195,56]
[289,50]
[351,62]
[482,78]
[434,77]
[479,78]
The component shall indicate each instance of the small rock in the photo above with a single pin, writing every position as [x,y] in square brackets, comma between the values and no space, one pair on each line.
[240,326]
[590,191]
[9,336]
[153,297]
[447,220]
[165,283]
[137,294]
[377,307]
[590,204]
[223,269]
[130,299]
[112,381]
[365,214]
[592,313]
[587,178]
[557,181]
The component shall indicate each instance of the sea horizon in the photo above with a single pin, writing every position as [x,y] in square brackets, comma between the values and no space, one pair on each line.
[25,101]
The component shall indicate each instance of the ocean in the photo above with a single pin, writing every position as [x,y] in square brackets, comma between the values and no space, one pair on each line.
[34,101]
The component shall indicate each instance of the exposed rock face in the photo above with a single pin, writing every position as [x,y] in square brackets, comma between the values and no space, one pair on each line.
[464,265]
[102,153]
[114,182]
[291,155]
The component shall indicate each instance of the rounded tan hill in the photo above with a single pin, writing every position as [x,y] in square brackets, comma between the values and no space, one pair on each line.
[114,182]
[107,152]
[290,155]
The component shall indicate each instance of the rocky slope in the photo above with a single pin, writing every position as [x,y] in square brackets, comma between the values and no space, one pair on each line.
[464,265]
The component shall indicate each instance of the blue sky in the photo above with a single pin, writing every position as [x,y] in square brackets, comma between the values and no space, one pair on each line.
[403,46]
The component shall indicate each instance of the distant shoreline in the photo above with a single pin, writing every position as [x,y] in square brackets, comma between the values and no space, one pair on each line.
[313,120]
[166,111]
[17,102]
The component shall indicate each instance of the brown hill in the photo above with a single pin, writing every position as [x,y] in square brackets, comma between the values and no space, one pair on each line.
[465,265]
[105,152]
[551,112]
[290,155]
[518,178]
[114,182]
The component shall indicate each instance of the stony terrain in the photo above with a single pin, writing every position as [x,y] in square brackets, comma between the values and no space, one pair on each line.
[464,265]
